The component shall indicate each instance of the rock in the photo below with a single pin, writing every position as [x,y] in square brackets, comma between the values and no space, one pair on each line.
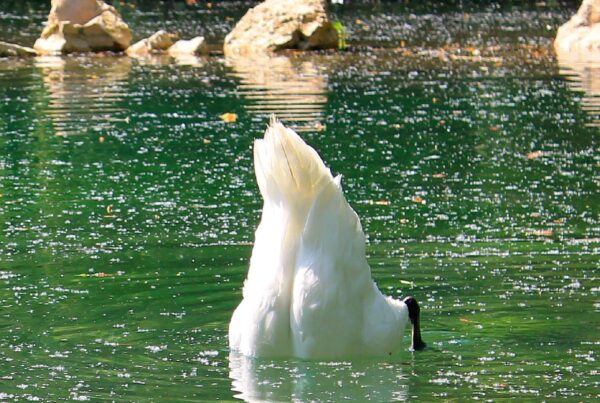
[158,42]
[581,34]
[83,26]
[76,12]
[12,50]
[162,42]
[282,24]
[195,46]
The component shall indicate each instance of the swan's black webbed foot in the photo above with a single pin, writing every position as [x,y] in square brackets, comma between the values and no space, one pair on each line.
[414,314]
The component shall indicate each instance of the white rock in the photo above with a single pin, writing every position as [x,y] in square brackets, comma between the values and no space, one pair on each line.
[158,42]
[580,36]
[74,11]
[282,24]
[12,50]
[195,46]
[83,26]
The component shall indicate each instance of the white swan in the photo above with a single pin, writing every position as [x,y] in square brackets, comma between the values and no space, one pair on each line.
[309,291]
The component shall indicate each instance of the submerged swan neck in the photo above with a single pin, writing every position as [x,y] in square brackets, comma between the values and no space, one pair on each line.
[414,314]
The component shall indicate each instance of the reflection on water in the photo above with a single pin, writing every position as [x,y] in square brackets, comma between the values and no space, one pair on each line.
[164,59]
[294,90]
[281,381]
[84,94]
[583,76]
[190,60]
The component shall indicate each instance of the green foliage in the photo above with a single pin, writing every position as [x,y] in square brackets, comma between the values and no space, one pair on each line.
[342,34]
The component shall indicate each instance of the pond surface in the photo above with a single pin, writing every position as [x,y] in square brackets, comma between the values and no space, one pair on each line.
[128,207]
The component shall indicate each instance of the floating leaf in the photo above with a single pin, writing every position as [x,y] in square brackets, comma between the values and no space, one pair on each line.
[229,117]
[109,211]
[535,154]
[541,232]
[380,202]
[440,175]
[206,141]
[418,199]
[403,221]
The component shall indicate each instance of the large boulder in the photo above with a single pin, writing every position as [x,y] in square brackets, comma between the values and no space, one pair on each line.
[581,34]
[83,26]
[158,42]
[12,50]
[282,24]
[76,11]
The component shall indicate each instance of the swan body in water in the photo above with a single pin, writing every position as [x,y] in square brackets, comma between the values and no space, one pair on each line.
[309,291]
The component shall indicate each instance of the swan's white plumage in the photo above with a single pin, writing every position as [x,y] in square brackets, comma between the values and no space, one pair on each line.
[309,291]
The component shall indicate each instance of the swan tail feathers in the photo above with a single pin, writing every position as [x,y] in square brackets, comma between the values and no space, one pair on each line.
[287,169]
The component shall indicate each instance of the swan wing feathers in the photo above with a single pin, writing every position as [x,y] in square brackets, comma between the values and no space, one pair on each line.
[309,291]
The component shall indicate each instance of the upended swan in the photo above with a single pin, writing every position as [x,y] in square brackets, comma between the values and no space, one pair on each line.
[309,292]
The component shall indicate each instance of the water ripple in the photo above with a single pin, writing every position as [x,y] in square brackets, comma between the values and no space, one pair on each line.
[293,89]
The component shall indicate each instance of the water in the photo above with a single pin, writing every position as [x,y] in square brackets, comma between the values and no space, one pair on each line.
[127,208]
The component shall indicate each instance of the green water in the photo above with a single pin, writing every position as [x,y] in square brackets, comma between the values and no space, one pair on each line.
[128,209]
